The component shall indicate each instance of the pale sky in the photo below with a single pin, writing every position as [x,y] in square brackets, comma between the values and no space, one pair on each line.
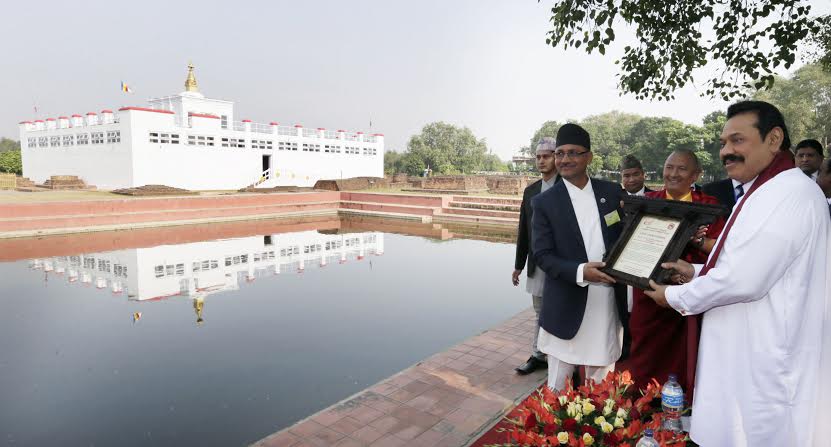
[329,63]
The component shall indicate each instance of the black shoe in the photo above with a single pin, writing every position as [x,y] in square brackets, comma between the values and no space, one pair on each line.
[531,365]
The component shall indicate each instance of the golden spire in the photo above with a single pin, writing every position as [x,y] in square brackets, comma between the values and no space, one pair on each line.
[190,82]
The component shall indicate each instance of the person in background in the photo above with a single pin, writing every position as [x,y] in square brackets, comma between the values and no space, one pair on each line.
[525,252]
[665,342]
[632,176]
[824,181]
[809,157]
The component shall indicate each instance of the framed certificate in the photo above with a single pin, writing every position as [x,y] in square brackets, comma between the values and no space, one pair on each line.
[655,231]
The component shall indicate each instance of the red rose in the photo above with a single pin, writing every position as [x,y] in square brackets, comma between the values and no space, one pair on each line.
[613,439]
[590,430]
[569,424]
[550,429]
[531,422]
[634,414]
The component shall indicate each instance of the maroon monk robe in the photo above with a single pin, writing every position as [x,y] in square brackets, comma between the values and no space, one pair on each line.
[663,341]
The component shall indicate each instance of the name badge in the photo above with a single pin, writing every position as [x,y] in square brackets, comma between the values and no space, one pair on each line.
[612,218]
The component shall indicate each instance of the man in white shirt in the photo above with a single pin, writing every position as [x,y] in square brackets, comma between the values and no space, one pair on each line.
[574,223]
[764,356]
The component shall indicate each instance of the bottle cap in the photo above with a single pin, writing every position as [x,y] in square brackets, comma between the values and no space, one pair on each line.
[648,432]
[673,377]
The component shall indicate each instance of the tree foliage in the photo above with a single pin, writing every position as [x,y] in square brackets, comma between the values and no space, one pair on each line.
[650,139]
[805,101]
[445,149]
[748,41]
[7,144]
[10,162]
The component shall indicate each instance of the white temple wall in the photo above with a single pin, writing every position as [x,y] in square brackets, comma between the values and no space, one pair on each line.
[105,165]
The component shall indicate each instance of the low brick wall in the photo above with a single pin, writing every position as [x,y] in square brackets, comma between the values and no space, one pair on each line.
[456,182]
[352,184]
[503,184]
[8,181]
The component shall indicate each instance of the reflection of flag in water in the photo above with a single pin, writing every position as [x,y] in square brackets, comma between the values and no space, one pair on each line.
[125,88]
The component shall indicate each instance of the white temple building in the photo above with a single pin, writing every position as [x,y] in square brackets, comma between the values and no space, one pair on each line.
[192,142]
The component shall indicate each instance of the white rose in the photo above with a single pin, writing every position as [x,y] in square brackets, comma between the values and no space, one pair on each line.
[621,413]
[578,417]
[562,437]
[606,427]
[588,407]
[571,409]
[599,420]
[619,423]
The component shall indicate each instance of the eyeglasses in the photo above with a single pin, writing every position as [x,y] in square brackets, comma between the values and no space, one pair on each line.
[569,154]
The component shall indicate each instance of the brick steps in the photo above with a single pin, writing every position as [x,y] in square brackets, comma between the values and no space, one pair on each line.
[387,207]
[496,221]
[397,199]
[481,212]
[486,206]
[488,200]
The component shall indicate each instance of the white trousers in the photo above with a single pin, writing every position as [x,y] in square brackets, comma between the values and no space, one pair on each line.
[559,371]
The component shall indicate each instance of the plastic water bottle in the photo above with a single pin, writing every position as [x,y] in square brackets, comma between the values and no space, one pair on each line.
[672,402]
[647,440]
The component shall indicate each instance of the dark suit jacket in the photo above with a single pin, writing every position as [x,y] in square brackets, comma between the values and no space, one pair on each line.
[721,190]
[524,251]
[559,250]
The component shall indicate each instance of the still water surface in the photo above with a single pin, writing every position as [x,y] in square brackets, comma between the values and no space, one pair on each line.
[236,338]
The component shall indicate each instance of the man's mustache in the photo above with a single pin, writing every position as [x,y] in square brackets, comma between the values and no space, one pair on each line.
[733,158]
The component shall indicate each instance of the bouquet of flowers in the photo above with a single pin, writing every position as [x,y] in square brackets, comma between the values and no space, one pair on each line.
[605,414]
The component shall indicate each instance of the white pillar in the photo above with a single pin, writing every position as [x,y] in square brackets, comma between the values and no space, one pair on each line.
[77,120]
[51,123]
[274,127]
[63,122]
[106,116]
[92,118]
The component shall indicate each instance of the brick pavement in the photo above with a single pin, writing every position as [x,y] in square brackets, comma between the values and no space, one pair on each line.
[448,399]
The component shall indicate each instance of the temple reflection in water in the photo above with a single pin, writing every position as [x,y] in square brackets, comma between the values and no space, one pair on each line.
[199,269]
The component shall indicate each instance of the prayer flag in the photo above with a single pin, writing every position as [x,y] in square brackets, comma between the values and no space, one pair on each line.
[125,88]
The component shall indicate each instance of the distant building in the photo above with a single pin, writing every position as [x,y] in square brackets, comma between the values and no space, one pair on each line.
[192,142]
[524,162]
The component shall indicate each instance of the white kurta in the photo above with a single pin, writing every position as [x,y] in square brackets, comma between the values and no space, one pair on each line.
[535,284]
[764,306]
[599,339]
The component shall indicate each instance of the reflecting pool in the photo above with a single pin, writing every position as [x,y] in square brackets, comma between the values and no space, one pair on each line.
[199,336]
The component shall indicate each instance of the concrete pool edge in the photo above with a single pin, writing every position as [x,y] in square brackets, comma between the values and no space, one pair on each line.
[448,399]
[49,218]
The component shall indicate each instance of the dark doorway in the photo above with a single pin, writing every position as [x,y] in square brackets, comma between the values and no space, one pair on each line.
[267,166]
